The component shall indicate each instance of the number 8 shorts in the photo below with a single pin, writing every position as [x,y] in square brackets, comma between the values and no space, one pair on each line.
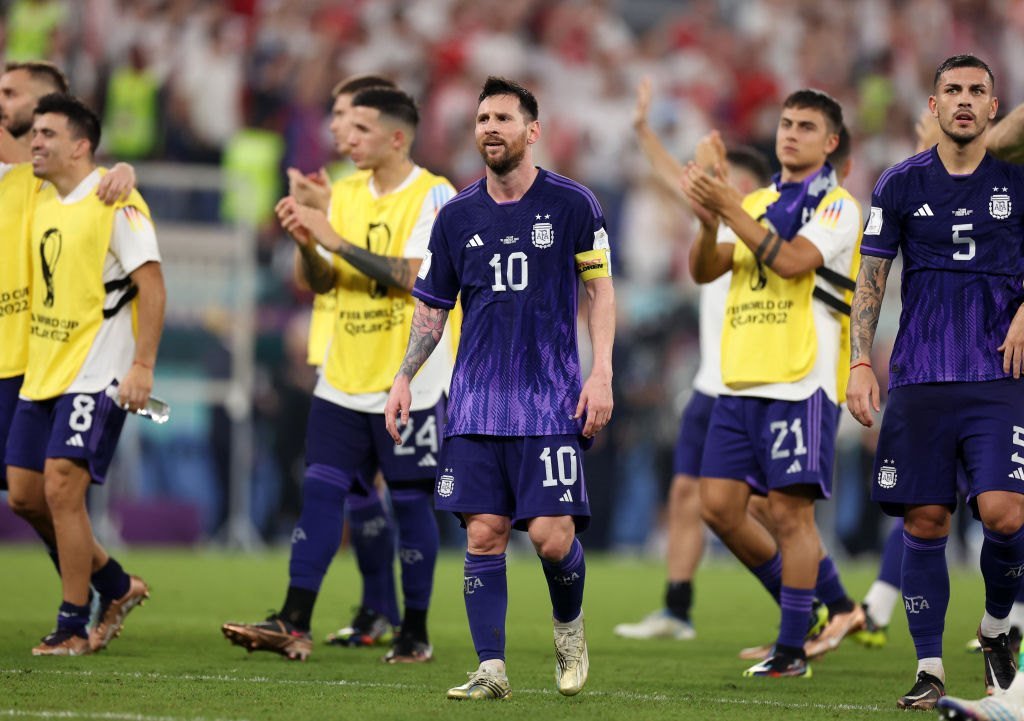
[82,426]
[517,477]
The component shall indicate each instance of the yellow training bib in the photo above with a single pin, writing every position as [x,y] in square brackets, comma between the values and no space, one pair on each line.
[69,244]
[17,199]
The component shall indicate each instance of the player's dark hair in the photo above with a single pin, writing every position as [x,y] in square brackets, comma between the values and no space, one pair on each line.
[963,61]
[41,71]
[81,119]
[503,86]
[842,152]
[751,160]
[391,102]
[820,101]
[355,83]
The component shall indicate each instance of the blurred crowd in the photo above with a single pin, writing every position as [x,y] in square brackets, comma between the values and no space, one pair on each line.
[181,80]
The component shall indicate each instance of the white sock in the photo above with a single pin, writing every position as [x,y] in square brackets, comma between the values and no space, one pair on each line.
[880,600]
[1016,689]
[493,665]
[1017,615]
[569,624]
[992,626]
[933,666]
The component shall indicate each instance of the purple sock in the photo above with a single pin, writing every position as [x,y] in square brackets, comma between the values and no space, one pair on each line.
[829,588]
[565,583]
[890,569]
[770,576]
[373,540]
[1002,562]
[317,534]
[111,581]
[419,542]
[486,588]
[796,608]
[925,587]
[73,618]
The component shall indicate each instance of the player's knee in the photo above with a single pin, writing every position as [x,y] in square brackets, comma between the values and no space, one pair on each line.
[486,539]
[64,485]
[684,493]
[25,505]
[927,522]
[720,516]
[1006,521]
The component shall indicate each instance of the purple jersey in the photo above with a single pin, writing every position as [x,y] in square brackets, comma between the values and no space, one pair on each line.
[518,371]
[962,238]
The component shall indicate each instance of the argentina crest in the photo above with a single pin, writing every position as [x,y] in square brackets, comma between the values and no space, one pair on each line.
[999,205]
[446,483]
[543,235]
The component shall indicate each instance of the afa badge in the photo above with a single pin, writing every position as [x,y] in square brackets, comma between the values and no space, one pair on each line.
[446,484]
[999,205]
[543,235]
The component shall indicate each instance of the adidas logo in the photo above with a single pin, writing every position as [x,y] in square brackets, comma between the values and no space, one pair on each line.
[475,242]
[427,460]
[76,441]
[1018,474]
[794,467]
[923,211]
[566,497]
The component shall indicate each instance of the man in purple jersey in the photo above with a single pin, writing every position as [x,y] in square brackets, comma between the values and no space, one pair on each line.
[514,245]
[955,395]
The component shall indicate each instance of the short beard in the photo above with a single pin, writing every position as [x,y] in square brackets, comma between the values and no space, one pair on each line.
[19,130]
[504,165]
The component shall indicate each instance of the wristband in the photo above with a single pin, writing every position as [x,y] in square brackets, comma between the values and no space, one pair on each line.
[861,363]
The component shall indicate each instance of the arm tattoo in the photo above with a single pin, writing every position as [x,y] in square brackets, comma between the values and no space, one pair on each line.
[427,327]
[319,273]
[867,304]
[394,272]
[759,253]
[773,250]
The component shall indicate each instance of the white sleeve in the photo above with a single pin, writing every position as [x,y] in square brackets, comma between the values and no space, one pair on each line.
[133,241]
[833,229]
[419,238]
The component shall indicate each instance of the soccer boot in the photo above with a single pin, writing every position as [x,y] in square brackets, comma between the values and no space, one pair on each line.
[112,612]
[780,665]
[368,628]
[994,708]
[657,624]
[872,634]
[1000,662]
[817,622]
[63,642]
[275,634]
[409,649]
[839,627]
[483,685]
[926,692]
[572,664]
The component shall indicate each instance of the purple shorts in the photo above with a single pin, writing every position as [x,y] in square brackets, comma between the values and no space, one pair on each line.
[82,426]
[772,444]
[9,388]
[930,430]
[693,430]
[358,444]
[518,477]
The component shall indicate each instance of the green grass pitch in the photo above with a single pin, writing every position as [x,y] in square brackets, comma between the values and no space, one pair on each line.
[172,664]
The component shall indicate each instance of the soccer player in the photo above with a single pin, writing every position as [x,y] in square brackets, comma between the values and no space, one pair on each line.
[96,264]
[514,245]
[773,434]
[955,395]
[376,248]
[748,170]
[370,522]
[21,87]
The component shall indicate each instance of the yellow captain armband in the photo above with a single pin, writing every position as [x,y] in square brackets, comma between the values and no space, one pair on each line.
[592,264]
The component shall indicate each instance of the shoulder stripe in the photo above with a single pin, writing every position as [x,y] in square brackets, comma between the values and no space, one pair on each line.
[432,300]
[918,161]
[871,250]
[562,182]
[468,192]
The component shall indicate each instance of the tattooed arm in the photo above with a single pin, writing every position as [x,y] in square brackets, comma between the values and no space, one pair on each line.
[395,272]
[862,394]
[427,327]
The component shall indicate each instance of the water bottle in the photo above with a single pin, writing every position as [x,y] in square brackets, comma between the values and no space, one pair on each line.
[156,409]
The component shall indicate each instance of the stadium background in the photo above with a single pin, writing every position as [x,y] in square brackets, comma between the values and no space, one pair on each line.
[212,100]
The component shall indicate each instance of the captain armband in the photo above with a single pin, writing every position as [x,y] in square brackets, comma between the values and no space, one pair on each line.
[592,264]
